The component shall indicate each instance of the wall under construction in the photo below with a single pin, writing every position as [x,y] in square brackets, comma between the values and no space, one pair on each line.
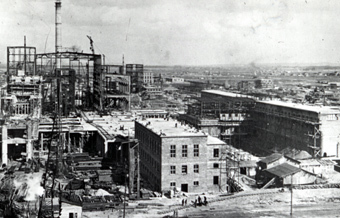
[111,88]
[221,114]
[266,126]
[278,125]
[85,67]
[21,104]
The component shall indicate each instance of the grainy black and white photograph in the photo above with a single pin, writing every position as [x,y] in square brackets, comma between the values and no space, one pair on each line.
[169,108]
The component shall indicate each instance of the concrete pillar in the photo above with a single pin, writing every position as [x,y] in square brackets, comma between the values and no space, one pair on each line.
[69,143]
[29,149]
[81,143]
[4,149]
[106,148]
[42,141]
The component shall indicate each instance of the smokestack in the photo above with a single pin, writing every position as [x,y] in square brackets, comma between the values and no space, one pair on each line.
[58,29]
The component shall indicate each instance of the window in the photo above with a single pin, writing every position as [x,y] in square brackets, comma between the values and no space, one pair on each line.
[184,151]
[172,169]
[216,152]
[216,165]
[196,150]
[184,169]
[196,168]
[216,180]
[172,150]
[196,183]
[72,215]
[172,184]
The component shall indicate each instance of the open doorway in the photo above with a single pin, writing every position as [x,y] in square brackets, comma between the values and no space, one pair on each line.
[184,187]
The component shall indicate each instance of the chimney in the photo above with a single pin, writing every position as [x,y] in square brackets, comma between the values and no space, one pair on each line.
[58,30]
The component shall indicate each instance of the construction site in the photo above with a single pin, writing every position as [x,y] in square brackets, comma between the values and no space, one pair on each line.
[82,138]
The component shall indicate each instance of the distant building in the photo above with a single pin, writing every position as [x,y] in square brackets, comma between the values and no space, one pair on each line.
[148,78]
[136,72]
[264,83]
[175,156]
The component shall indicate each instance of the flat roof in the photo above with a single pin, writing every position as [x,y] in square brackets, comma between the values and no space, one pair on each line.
[226,94]
[312,108]
[168,128]
[116,124]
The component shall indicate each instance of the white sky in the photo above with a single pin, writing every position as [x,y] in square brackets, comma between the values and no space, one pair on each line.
[176,32]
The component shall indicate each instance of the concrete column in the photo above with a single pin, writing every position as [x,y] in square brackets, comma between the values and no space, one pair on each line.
[106,148]
[69,143]
[4,149]
[81,143]
[29,149]
[42,141]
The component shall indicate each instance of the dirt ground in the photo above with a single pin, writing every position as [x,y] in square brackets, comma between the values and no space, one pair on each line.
[306,203]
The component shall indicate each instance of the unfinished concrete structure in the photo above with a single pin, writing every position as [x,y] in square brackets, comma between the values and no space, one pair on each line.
[275,125]
[20,104]
[83,70]
[177,156]
[221,114]
[135,71]
[112,88]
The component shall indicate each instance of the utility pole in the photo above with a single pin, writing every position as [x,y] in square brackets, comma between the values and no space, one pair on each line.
[291,196]
[138,173]
[124,195]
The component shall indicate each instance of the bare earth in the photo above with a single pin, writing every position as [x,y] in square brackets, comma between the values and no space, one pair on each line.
[306,203]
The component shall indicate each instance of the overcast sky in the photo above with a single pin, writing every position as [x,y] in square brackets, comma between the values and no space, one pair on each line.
[193,32]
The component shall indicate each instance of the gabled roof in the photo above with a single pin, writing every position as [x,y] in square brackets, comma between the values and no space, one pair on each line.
[214,141]
[283,170]
[299,155]
[271,158]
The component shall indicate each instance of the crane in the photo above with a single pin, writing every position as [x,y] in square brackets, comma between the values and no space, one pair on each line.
[91,43]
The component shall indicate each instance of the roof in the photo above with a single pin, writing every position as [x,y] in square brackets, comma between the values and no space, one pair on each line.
[248,163]
[317,162]
[300,155]
[312,108]
[226,94]
[170,128]
[271,158]
[283,170]
[214,141]
[170,88]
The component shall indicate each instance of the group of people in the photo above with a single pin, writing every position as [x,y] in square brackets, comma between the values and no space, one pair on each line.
[184,202]
[199,201]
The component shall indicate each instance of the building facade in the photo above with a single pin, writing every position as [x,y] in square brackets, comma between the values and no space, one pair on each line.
[267,126]
[174,156]
[278,125]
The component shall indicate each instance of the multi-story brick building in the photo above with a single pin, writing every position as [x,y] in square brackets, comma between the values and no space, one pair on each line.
[173,155]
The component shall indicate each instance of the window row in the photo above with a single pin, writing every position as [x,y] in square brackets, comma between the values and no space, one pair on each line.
[184,150]
[173,184]
[184,169]
[216,181]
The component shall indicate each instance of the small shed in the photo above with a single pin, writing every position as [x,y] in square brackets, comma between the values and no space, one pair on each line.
[271,161]
[248,167]
[282,175]
[104,175]
[71,209]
